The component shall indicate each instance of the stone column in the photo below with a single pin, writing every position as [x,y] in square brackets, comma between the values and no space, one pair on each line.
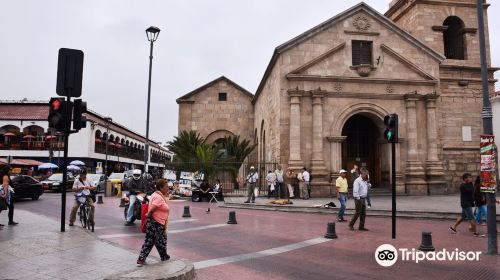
[295,160]
[433,166]
[415,175]
[318,167]
[335,154]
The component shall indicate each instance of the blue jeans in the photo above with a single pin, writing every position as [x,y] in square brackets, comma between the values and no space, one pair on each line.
[130,212]
[343,201]
[481,210]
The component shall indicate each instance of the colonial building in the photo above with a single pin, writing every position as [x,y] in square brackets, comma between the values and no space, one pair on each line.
[324,95]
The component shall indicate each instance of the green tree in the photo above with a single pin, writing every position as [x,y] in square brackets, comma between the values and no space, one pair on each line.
[237,151]
[184,148]
[207,156]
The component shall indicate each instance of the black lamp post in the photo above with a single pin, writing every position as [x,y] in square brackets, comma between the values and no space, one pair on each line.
[108,120]
[152,32]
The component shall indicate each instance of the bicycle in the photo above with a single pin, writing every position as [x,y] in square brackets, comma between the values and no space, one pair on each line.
[84,212]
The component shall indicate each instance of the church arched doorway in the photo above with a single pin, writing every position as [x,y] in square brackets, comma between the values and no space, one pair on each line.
[363,145]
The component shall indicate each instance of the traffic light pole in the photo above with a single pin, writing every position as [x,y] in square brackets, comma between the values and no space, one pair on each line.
[393,163]
[65,165]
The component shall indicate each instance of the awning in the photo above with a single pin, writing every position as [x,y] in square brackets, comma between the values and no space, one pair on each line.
[23,162]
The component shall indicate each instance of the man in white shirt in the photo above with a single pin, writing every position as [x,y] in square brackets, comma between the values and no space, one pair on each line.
[82,186]
[359,193]
[304,191]
[279,180]
[252,180]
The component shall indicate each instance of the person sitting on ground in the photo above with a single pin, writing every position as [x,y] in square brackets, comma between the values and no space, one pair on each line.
[82,187]
[466,202]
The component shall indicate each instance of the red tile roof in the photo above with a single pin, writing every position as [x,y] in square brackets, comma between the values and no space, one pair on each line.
[24,111]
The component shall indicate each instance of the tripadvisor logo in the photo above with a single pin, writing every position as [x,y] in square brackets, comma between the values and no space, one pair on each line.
[387,255]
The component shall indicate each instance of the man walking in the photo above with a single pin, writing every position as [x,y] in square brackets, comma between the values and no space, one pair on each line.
[466,202]
[359,192]
[252,180]
[341,185]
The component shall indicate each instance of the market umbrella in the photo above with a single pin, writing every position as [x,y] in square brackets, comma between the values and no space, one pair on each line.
[9,134]
[29,137]
[47,165]
[50,137]
[98,140]
[77,162]
[73,168]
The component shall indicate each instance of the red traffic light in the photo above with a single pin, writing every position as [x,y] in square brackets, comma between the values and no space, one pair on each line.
[56,104]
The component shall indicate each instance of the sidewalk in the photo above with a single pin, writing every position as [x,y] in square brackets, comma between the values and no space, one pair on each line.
[433,207]
[36,249]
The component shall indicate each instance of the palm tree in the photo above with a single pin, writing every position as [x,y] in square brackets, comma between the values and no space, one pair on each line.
[184,148]
[237,151]
[207,156]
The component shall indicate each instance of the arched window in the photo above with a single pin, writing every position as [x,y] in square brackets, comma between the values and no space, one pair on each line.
[454,38]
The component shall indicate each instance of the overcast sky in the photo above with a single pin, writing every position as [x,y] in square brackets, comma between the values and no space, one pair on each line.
[200,40]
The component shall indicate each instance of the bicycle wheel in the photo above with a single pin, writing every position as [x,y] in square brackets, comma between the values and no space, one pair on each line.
[83,216]
[87,213]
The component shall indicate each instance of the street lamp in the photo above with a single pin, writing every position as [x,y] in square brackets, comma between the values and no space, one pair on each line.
[152,33]
[108,121]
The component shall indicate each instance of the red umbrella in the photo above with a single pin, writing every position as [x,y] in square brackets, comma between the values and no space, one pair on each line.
[50,137]
[111,143]
[28,137]
[9,134]
[118,145]
[98,140]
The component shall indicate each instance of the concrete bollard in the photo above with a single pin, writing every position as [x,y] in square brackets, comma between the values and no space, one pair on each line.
[99,199]
[330,231]
[232,218]
[426,244]
[186,214]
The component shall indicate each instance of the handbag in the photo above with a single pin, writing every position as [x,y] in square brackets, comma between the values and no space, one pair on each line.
[3,203]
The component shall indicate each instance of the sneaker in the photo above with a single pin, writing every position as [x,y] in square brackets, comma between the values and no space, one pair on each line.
[351,228]
[368,206]
[453,231]
[253,201]
[12,223]
[129,224]
[246,201]
[364,229]
[475,234]
[140,263]
[167,258]
[71,224]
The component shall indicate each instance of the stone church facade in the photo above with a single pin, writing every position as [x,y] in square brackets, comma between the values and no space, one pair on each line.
[324,95]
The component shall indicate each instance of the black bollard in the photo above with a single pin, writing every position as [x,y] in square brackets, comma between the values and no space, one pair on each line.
[232,218]
[426,244]
[186,212]
[99,199]
[122,202]
[330,231]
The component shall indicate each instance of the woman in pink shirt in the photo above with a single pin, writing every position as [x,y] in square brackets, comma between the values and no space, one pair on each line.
[156,224]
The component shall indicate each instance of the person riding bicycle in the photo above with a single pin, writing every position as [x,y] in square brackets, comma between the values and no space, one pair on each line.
[135,185]
[82,187]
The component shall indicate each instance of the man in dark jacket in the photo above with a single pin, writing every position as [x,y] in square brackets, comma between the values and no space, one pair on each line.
[467,203]
[135,185]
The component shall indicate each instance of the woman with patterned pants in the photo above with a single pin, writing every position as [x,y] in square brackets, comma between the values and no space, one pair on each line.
[156,224]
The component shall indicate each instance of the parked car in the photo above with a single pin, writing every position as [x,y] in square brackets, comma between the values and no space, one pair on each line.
[99,181]
[26,187]
[54,182]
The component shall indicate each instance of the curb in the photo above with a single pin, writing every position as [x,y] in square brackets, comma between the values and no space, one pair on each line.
[369,212]
[171,270]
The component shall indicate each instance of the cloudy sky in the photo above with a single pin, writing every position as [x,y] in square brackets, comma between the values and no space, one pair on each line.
[200,40]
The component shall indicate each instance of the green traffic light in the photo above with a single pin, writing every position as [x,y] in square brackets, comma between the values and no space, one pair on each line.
[388,135]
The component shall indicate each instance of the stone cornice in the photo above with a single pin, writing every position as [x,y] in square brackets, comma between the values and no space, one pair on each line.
[466,67]
[461,148]
[399,6]
[336,138]
[364,33]
[296,92]
[184,101]
[296,77]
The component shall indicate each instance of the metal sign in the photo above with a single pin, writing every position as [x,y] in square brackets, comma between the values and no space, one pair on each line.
[488,164]
[69,73]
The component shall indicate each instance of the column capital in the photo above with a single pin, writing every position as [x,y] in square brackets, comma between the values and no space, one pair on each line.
[338,139]
[296,92]
[318,93]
